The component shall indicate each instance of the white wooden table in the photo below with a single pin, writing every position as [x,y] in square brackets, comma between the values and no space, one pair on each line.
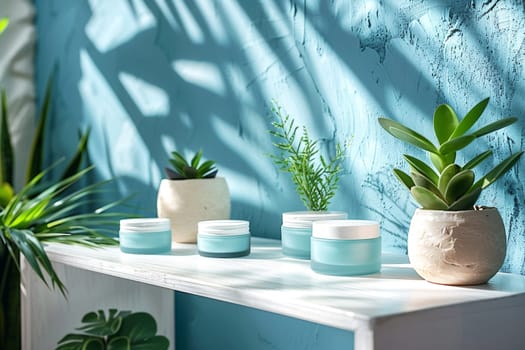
[393,309]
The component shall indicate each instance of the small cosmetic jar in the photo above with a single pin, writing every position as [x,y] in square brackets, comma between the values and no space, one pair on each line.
[296,231]
[346,247]
[145,236]
[223,238]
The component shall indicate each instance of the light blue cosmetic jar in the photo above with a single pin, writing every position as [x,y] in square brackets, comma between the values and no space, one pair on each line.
[296,231]
[145,236]
[346,247]
[223,238]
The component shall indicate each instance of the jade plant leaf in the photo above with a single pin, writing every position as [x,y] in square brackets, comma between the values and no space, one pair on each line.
[498,171]
[404,178]
[423,181]
[428,199]
[445,122]
[477,159]
[441,161]
[470,118]
[467,201]
[499,124]
[406,134]
[446,175]
[456,144]
[421,167]
[458,185]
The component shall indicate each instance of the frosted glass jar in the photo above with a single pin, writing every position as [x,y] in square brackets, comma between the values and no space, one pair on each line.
[346,247]
[145,236]
[296,231]
[223,238]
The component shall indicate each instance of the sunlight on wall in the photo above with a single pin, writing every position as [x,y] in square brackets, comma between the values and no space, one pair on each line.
[108,31]
[114,137]
[202,74]
[150,99]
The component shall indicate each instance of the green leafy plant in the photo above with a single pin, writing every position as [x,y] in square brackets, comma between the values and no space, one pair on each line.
[44,210]
[443,184]
[194,169]
[121,330]
[315,178]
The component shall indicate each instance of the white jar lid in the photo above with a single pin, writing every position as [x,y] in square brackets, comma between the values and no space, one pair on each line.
[224,227]
[345,229]
[304,219]
[145,225]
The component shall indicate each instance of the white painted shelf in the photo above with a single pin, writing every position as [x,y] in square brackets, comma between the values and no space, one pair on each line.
[392,308]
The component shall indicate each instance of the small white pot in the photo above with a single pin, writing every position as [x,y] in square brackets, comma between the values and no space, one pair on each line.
[186,202]
[457,247]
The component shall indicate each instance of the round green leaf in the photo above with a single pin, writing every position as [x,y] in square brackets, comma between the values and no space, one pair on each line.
[446,175]
[458,185]
[428,199]
[445,122]
[467,201]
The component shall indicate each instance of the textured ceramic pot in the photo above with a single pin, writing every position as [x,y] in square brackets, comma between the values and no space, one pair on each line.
[186,202]
[457,247]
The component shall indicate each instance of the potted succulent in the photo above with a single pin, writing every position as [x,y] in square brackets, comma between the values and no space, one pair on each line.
[451,240]
[192,193]
[315,177]
[121,330]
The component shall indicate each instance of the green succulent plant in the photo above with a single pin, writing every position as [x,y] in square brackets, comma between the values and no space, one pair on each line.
[194,169]
[443,184]
[121,330]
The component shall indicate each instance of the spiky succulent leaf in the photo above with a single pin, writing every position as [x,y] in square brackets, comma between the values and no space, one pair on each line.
[6,148]
[404,178]
[458,185]
[445,122]
[456,144]
[477,159]
[422,168]
[428,199]
[407,135]
[446,175]
[196,159]
[498,171]
[36,157]
[467,201]
[75,163]
[194,169]
[470,118]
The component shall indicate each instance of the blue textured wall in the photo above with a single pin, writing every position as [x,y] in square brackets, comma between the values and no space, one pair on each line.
[151,76]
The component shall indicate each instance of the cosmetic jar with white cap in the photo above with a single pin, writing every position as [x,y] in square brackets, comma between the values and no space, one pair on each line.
[145,236]
[346,247]
[296,231]
[223,238]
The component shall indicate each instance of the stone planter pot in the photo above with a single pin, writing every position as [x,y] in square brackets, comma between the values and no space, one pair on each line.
[186,202]
[457,247]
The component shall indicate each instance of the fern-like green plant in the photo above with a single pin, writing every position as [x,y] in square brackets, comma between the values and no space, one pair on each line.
[194,169]
[316,179]
[443,184]
[120,330]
